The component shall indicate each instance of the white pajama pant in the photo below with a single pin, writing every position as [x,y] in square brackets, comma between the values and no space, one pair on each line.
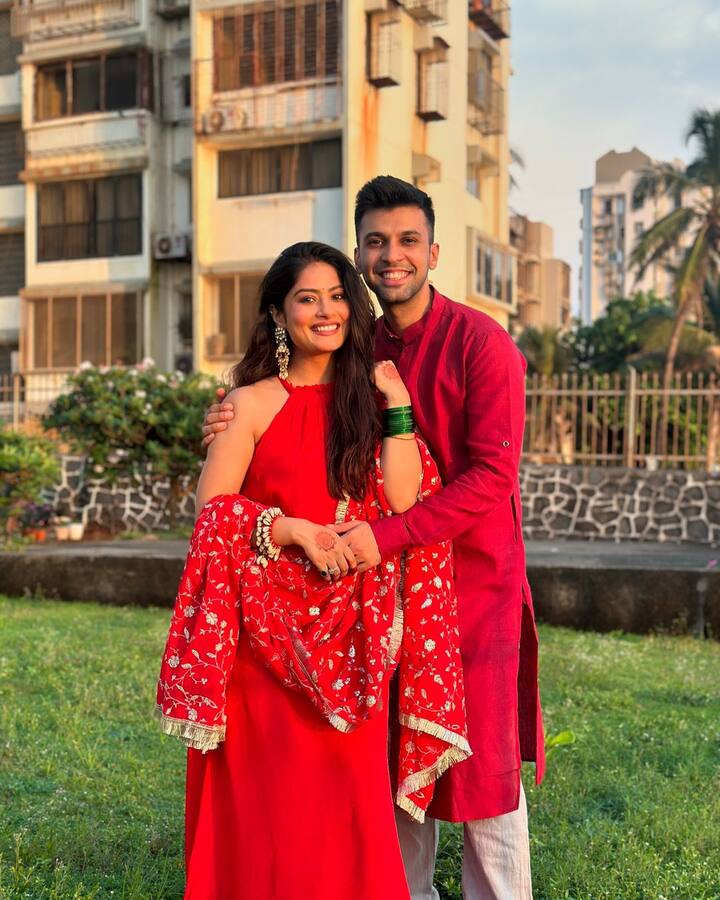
[496,856]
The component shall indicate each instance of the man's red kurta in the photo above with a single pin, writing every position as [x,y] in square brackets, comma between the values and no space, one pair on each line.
[467,383]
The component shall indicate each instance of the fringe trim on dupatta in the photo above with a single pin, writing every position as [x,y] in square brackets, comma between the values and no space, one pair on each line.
[198,737]
[419,780]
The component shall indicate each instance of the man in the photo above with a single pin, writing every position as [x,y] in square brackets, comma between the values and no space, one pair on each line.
[466,381]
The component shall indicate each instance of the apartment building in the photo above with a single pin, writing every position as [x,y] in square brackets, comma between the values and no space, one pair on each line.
[12,195]
[297,103]
[611,224]
[543,282]
[106,117]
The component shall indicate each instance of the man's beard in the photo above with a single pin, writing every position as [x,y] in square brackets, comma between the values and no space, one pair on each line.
[393,297]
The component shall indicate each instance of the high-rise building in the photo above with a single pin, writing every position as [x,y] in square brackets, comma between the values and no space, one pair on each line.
[543,282]
[298,103]
[12,195]
[611,224]
[106,117]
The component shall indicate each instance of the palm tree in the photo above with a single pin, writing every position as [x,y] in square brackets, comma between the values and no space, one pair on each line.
[691,232]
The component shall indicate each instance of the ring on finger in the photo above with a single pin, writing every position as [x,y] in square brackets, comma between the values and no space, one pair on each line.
[333,571]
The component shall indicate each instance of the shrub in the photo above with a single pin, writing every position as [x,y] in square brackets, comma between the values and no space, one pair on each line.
[28,465]
[136,423]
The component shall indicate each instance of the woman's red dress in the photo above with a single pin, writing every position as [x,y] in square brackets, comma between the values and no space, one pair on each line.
[288,808]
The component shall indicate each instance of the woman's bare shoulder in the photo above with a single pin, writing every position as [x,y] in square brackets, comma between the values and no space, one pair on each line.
[257,394]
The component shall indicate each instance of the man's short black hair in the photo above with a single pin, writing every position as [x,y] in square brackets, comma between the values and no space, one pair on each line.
[388,192]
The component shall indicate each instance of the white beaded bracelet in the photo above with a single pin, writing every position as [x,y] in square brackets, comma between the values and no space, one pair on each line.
[265,547]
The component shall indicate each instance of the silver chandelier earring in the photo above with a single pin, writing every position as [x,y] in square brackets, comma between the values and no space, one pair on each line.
[282,351]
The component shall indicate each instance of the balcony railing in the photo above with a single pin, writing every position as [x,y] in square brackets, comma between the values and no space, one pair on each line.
[487,99]
[493,16]
[283,106]
[35,20]
[430,12]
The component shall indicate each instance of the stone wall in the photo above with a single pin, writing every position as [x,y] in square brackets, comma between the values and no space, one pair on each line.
[558,502]
[620,504]
[132,506]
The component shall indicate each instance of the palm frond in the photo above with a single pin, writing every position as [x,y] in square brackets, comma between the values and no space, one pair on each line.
[659,240]
[705,129]
[692,272]
[661,179]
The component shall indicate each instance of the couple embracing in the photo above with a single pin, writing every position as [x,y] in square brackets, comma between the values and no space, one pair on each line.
[353,654]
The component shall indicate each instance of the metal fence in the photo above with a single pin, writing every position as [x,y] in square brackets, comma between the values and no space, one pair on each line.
[599,420]
[627,420]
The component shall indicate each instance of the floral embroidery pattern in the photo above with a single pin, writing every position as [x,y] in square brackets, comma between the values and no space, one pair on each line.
[335,643]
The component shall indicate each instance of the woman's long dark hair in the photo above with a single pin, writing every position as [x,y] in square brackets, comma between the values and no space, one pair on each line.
[355,427]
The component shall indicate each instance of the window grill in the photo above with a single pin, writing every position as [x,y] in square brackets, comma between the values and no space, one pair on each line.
[270,43]
[431,12]
[383,49]
[433,84]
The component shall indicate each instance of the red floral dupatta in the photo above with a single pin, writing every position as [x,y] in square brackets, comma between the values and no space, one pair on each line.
[335,643]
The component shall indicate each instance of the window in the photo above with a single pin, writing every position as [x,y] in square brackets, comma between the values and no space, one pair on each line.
[75,87]
[607,207]
[235,312]
[11,152]
[12,270]
[273,43]
[495,272]
[80,219]
[639,229]
[104,329]
[274,170]
[10,47]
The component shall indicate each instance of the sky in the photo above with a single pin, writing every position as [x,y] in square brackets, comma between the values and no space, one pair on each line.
[596,75]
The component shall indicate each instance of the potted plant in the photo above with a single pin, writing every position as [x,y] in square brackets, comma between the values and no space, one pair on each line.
[62,528]
[35,519]
[76,531]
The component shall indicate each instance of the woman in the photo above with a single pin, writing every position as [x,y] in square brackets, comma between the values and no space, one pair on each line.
[287,803]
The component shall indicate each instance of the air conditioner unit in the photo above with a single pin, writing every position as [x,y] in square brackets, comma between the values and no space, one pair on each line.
[172,245]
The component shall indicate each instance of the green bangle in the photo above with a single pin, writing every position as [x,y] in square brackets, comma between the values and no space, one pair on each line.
[398,420]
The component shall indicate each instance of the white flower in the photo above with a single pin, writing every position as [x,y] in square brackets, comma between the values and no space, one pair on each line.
[211,618]
[85,365]
[174,661]
[192,715]
[429,645]
[161,378]
[314,610]
[141,394]
[98,469]
[437,582]
[336,685]
[370,701]
[189,612]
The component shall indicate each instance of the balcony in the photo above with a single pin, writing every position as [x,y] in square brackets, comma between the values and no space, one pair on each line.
[96,143]
[37,20]
[429,12]
[487,99]
[222,108]
[492,16]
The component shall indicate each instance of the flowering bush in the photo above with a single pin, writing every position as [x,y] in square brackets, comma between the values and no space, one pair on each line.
[28,465]
[136,423]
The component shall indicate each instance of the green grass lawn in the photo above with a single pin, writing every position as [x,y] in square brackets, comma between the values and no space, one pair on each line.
[91,794]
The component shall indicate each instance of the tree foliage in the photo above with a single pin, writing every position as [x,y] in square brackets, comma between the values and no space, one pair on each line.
[28,465]
[135,423]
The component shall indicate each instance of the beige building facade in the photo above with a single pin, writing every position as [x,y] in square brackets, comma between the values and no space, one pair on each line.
[297,103]
[611,224]
[106,123]
[543,282]
[12,195]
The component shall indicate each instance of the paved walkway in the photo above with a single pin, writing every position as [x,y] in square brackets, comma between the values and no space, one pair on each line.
[565,554]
